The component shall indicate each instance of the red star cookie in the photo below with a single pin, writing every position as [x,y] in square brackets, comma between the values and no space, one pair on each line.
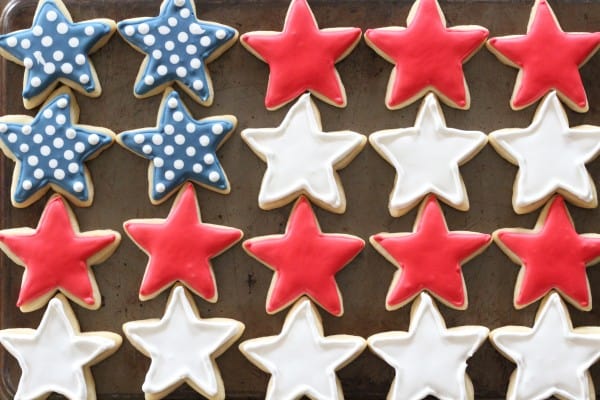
[429,258]
[547,58]
[302,57]
[57,257]
[427,55]
[552,256]
[180,248]
[305,261]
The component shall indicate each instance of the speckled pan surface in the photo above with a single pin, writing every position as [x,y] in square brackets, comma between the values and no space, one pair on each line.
[240,80]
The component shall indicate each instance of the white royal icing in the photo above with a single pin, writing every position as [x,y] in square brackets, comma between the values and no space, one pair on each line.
[429,359]
[182,347]
[301,158]
[55,356]
[551,157]
[552,358]
[426,158]
[300,359]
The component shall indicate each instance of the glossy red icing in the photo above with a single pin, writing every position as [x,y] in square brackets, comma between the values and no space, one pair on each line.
[302,57]
[180,248]
[553,256]
[428,55]
[430,258]
[549,58]
[305,260]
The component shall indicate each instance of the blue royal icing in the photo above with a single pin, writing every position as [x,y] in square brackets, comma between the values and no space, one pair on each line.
[51,149]
[177,46]
[55,48]
[181,148]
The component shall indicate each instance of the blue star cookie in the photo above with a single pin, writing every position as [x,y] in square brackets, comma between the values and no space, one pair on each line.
[177,46]
[181,148]
[50,151]
[56,50]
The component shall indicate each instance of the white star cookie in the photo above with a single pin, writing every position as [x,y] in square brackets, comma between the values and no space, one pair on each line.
[551,158]
[429,359]
[56,357]
[426,157]
[183,348]
[552,358]
[300,359]
[302,159]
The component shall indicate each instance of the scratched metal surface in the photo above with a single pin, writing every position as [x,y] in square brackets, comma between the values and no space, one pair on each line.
[240,81]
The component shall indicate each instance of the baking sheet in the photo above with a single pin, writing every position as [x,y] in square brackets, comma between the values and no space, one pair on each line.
[240,82]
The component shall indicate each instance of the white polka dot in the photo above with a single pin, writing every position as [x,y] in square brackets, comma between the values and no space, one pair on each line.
[71,133]
[49,68]
[84,78]
[190,127]
[51,15]
[172,21]
[79,147]
[217,129]
[164,30]
[53,163]
[58,55]
[220,34]
[169,175]
[190,151]
[48,113]
[50,130]
[62,28]
[179,3]
[38,30]
[172,103]
[195,63]
[11,41]
[169,129]
[78,187]
[129,30]
[157,54]
[197,168]
[169,45]
[143,28]
[27,185]
[61,119]
[147,149]
[24,147]
[38,173]
[62,103]
[66,68]
[28,63]
[12,137]
[158,162]
[198,84]
[180,139]
[149,40]
[32,160]
[47,41]
[73,168]
[37,138]
[45,150]
[59,174]
[196,29]
[93,139]
[157,139]
[209,159]
[4,128]
[174,59]
[214,176]
[25,43]
[185,13]
[182,37]
[191,49]
[138,138]
[160,187]
[35,81]
[89,30]
[205,41]
[69,155]
[58,143]
[178,164]
[181,72]
[149,80]
[162,70]
[169,150]
[73,42]
[80,59]
[204,140]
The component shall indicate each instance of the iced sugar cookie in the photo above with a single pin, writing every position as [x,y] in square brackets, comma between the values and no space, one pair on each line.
[181,148]
[429,359]
[50,150]
[302,57]
[301,360]
[427,56]
[56,50]
[183,348]
[551,157]
[177,48]
[180,248]
[302,159]
[56,357]
[426,157]
[552,358]
[429,258]
[58,257]
[547,58]
[305,261]
[553,256]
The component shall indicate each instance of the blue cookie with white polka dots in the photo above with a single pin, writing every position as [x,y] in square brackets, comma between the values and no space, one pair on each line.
[177,46]
[50,150]
[181,149]
[55,50]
